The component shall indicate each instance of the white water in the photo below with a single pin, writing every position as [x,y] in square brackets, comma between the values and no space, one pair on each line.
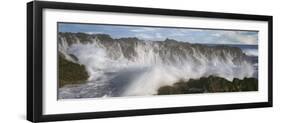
[251,52]
[112,73]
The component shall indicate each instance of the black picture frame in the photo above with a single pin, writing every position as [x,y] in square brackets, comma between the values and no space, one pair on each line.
[35,69]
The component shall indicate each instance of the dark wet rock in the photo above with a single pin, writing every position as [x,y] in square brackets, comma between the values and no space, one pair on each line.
[71,73]
[210,84]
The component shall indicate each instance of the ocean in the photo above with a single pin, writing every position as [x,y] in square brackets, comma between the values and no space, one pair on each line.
[133,67]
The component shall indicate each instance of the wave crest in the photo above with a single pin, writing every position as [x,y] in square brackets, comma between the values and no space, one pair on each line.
[125,67]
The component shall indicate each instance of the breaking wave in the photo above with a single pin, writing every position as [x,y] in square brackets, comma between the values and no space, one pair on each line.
[129,66]
[251,52]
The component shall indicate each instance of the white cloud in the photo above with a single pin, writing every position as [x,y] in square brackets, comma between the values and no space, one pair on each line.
[216,34]
[144,36]
[93,32]
[159,35]
[239,37]
[150,36]
[144,29]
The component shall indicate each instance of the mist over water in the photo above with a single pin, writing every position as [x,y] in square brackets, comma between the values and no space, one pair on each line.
[251,52]
[132,67]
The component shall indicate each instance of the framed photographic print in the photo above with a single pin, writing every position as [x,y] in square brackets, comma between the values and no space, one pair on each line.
[95,61]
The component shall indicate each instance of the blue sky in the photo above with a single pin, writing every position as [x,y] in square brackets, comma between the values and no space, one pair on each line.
[159,34]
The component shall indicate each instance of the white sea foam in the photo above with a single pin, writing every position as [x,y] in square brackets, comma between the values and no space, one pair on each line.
[251,52]
[148,66]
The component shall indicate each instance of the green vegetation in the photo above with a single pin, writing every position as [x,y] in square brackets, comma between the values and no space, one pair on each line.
[210,84]
[71,73]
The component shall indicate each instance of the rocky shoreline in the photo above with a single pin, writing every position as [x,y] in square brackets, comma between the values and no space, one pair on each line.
[71,73]
[210,84]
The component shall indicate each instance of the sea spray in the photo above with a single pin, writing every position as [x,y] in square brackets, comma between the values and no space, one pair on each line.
[129,66]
